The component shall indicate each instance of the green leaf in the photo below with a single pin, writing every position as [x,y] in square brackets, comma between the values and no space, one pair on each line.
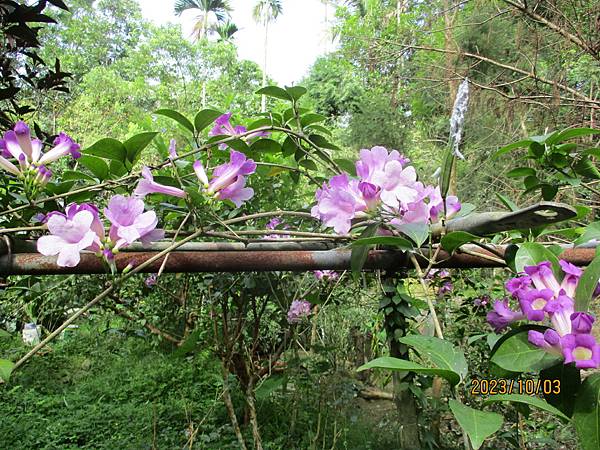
[520,172]
[177,117]
[507,202]
[137,143]
[532,253]
[549,191]
[205,117]
[107,148]
[447,164]
[289,146]
[587,284]
[239,145]
[479,425]
[565,135]
[528,400]
[320,141]
[441,353]
[536,150]
[95,165]
[264,122]
[509,256]
[592,231]
[393,241]
[311,118]
[118,169]
[189,345]
[586,416]
[346,165]
[570,380]
[455,239]
[268,386]
[360,253]
[76,175]
[387,362]
[266,146]
[308,164]
[6,368]
[513,146]
[518,355]
[586,168]
[296,91]
[418,232]
[592,152]
[275,92]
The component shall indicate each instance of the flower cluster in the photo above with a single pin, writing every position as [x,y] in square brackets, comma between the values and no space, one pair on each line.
[273,224]
[386,183]
[228,180]
[79,228]
[30,161]
[540,296]
[298,310]
[326,275]
[223,127]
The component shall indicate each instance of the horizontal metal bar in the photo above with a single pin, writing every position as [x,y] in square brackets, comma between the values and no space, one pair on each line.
[259,260]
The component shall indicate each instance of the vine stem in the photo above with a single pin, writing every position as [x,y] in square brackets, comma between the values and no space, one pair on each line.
[436,322]
[103,295]
[16,230]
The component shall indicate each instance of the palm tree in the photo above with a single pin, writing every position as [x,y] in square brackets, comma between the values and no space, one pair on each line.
[220,8]
[225,31]
[265,12]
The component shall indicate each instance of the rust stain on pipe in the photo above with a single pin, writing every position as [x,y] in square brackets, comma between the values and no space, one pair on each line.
[255,260]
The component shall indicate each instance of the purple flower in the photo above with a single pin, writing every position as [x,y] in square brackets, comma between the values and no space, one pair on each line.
[148,186]
[445,288]
[18,144]
[543,277]
[581,349]
[130,222]
[223,127]
[338,202]
[533,303]
[69,236]
[581,323]
[327,275]
[502,315]
[201,173]
[151,280]
[515,286]
[273,223]
[173,149]
[63,145]
[298,310]
[482,301]
[549,340]
[560,309]
[436,205]
[572,275]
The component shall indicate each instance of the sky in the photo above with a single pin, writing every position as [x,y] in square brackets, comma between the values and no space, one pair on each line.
[296,39]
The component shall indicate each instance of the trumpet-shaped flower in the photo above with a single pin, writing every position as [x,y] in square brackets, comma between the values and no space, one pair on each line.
[228,180]
[18,144]
[581,349]
[129,222]
[338,202]
[541,295]
[298,310]
[543,277]
[223,127]
[533,303]
[147,185]
[69,236]
[502,315]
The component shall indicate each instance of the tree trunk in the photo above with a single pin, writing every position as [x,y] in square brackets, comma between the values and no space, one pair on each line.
[263,102]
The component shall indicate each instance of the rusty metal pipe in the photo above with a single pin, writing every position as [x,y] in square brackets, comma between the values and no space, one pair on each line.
[256,260]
